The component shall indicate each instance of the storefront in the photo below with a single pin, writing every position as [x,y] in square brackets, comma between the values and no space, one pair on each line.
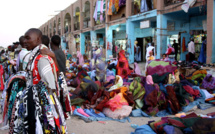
[116,40]
[182,27]
[141,29]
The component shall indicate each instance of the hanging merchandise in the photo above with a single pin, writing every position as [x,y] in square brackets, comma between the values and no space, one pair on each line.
[114,5]
[183,45]
[187,4]
[99,13]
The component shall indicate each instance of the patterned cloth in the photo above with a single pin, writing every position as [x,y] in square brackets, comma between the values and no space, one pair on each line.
[206,84]
[123,66]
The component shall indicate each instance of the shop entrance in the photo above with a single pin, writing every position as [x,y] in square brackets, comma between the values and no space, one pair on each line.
[143,43]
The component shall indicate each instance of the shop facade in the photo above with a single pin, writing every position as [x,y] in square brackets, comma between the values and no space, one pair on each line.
[141,29]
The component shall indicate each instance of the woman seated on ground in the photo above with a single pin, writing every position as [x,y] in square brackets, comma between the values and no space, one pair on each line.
[154,98]
[151,56]
[164,57]
[209,83]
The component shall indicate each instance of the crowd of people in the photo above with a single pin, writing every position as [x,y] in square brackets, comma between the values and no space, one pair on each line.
[37,98]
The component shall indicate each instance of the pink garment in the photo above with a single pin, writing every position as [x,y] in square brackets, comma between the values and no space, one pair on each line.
[108,78]
[101,15]
[80,58]
[137,69]
[149,80]
[81,111]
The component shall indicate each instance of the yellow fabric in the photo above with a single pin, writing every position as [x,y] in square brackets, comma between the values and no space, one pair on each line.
[47,131]
[151,58]
[52,99]
[117,5]
[63,130]
[67,64]
[11,55]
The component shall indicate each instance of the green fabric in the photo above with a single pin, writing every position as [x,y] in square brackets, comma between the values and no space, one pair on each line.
[156,63]
[77,101]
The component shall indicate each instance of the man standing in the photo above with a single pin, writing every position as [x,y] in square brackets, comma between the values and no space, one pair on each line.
[41,68]
[175,46]
[59,54]
[191,50]
[23,56]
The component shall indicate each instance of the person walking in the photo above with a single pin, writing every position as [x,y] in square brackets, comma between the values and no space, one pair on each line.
[175,46]
[191,50]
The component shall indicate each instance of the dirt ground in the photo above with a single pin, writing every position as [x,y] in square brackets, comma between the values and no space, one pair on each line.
[78,126]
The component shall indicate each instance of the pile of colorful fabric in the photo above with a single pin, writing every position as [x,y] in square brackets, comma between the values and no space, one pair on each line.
[166,91]
[180,124]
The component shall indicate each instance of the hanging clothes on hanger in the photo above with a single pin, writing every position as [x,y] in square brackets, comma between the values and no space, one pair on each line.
[144,6]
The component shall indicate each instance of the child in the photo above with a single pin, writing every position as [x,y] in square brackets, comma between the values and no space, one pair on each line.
[164,57]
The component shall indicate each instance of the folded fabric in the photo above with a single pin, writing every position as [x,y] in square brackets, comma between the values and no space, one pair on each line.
[118,113]
[138,113]
[207,94]
[144,129]
[205,106]
[162,113]
[81,111]
[99,114]
[75,112]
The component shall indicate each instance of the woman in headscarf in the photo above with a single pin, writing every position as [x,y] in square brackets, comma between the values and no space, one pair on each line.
[98,64]
[171,53]
[80,59]
[208,83]
[122,67]
[154,98]
[137,69]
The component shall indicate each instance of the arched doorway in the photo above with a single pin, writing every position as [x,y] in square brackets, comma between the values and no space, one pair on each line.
[67,23]
[54,27]
[50,30]
[86,14]
[59,27]
[77,19]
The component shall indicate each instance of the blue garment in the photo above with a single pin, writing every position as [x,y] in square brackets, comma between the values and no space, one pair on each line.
[138,113]
[202,56]
[93,75]
[169,129]
[144,129]
[144,6]
[110,73]
[138,54]
[163,113]
[200,100]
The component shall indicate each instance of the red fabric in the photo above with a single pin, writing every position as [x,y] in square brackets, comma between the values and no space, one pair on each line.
[36,76]
[57,122]
[183,45]
[123,66]
[68,109]
[1,77]
[169,51]
[191,91]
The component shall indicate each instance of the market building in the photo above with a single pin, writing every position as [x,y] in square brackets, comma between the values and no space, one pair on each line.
[89,23]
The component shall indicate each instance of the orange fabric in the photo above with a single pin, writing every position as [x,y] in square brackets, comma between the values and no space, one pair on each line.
[183,45]
[117,5]
[110,8]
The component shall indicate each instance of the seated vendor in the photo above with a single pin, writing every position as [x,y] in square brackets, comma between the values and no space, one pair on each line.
[209,83]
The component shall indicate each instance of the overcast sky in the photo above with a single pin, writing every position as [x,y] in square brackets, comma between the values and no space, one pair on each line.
[17,16]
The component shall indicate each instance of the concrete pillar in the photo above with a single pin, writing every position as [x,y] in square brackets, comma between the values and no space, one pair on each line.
[92,22]
[131,39]
[210,31]
[109,40]
[82,43]
[81,16]
[161,35]
[128,8]
[72,18]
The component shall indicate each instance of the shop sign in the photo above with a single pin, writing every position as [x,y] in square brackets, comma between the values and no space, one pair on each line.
[145,24]
[170,26]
